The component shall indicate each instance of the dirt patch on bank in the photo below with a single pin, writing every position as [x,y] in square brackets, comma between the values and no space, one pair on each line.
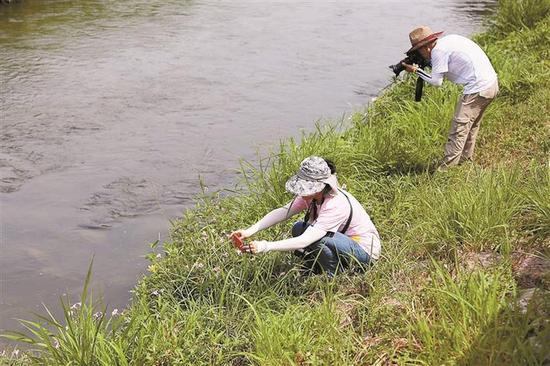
[531,270]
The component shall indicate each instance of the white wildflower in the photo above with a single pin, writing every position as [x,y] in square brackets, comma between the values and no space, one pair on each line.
[115,312]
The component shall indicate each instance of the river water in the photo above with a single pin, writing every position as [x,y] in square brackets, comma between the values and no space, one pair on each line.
[112,112]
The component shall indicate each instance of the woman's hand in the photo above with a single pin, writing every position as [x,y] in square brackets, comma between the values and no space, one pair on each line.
[410,68]
[255,246]
[249,248]
[241,234]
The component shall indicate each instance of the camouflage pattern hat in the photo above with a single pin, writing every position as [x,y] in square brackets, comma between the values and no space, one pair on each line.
[314,173]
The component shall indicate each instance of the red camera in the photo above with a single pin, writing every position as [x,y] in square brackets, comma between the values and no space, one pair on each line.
[237,242]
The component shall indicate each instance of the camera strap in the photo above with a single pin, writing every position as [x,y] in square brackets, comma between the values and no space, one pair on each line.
[418,89]
[346,227]
[312,209]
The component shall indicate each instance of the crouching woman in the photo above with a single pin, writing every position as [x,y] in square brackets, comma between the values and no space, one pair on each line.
[336,229]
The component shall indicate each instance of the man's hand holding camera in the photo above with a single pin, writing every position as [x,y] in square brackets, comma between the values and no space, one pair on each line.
[410,68]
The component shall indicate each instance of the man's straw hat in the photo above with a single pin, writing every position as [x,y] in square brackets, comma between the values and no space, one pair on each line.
[422,36]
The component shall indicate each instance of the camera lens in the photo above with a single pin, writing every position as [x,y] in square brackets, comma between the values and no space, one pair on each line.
[397,68]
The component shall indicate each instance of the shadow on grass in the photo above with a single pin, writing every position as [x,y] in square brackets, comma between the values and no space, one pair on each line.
[411,169]
[519,335]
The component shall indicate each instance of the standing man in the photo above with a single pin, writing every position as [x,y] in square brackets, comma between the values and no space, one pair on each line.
[463,62]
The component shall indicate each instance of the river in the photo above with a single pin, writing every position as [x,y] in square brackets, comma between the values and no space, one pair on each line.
[112,112]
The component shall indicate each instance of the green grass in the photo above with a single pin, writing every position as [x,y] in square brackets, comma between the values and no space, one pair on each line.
[426,302]
[82,337]
[468,305]
[520,15]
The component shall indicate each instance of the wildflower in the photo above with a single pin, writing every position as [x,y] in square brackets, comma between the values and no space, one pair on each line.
[74,308]
[115,312]
[55,343]
[199,265]
[97,315]
[15,353]
[155,293]
[159,256]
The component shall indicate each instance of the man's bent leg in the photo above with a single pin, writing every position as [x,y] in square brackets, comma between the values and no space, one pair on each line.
[460,128]
[470,143]
[478,109]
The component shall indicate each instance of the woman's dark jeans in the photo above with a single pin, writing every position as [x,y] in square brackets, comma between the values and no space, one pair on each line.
[331,252]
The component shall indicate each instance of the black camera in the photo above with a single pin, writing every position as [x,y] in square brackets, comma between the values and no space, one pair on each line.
[413,57]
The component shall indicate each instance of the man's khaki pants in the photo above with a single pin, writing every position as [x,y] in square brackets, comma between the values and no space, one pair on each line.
[465,125]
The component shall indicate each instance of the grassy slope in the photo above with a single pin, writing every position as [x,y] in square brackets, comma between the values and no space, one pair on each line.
[445,291]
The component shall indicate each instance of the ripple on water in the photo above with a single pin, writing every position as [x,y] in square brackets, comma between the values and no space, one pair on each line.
[128,197]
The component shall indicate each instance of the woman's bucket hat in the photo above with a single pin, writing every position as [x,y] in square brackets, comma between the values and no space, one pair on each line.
[422,36]
[314,173]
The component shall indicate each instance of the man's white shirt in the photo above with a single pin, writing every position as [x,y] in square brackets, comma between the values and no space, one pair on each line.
[461,61]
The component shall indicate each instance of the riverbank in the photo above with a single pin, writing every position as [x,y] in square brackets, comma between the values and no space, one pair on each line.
[455,244]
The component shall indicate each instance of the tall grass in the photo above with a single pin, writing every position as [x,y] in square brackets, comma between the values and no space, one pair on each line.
[300,334]
[538,206]
[518,15]
[470,309]
[475,211]
[82,337]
